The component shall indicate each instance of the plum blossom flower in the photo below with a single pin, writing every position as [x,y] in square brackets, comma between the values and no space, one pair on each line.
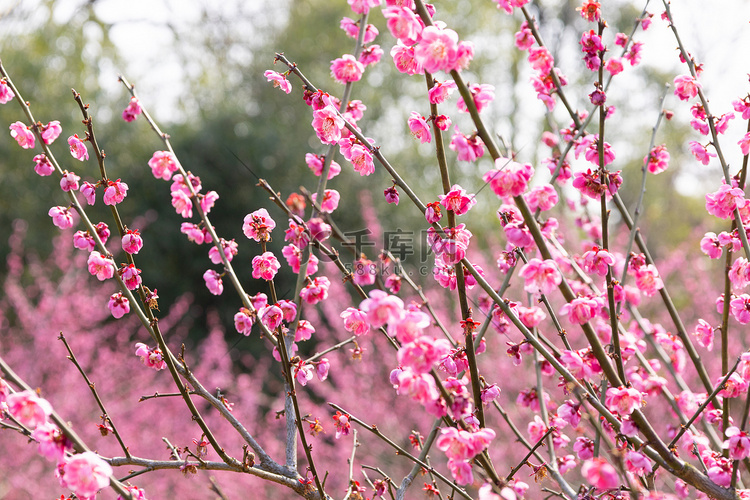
[457,200]
[468,148]
[163,164]
[51,131]
[509,178]
[343,427]
[28,408]
[355,321]
[278,80]
[598,472]
[23,136]
[744,144]
[441,91]
[258,225]
[69,181]
[598,261]
[701,153]
[686,87]
[265,266]
[723,202]
[133,109]
[6,94]
[580,310]
[132,241]
[330,201]
[382,308]
[637,463]
[52,442]
[362,6]
[403,58]
[346,69]
[623,400]
[119,305]
[590,10]
[482,94]
[88,191]
[541,197]
[42,165]
[328,124]
[244,321]
[85,474]
[403,24]
[115,192]
[738,443]
[316,291]
[78,149]
[213,282]
[182,203]
[315,163]
[437,49]
[540,276]
[130,275]
[704,334]
[419,128]
[657,160]
[100,266]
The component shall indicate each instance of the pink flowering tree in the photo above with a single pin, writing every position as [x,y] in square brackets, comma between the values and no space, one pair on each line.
[613,394]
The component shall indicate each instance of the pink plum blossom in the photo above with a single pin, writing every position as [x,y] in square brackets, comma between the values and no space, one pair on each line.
[23,136]
[355,321]
[457,200]
[508,178]
[419,128]
[437,49]
[382,308]
[258,225]
[119,305]
[115,192]
[738,443]
[244,321]
[482,94]
[346,69]
[657,160]
[704,334]
[441,91]
[132,241]
[330,201]
[6,94]
[723,202]
[130,275]
[623,400]
[213,282]
[598,261]
[315,163]
[28,408]
[580,310]
[182,203]
[163,164]
[686,87]
[468,148]
[42,165]
[265,266]
[69,181]
[100,266]
[88,191]
[52,442]
[404,59]
[78,149]
[598,472]
[701,153]
[541,197]
[85,474]
[540,276]
[403,24]
[328,124]
[315,291]
[278,80]
[133,109]
[51,131]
